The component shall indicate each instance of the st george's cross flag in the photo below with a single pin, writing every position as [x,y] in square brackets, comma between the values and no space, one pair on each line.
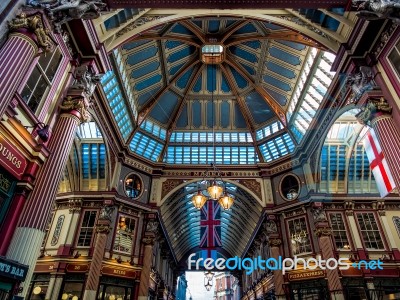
[378,164]
[210,225]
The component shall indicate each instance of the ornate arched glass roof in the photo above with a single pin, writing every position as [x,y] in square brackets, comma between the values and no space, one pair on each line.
[253,104]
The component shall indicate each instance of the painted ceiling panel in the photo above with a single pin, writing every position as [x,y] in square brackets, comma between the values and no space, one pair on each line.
[260,110]
[281,70]
[240,81]
[281,99]
[240,122]
[180,29]
[134,44]
[213,26]
[147,82]
[284,56]
[146,69]
[248,28]
[182,53]
[142,55]
[277,83]
[183,121]
[244,54]
[183,81]
[147,95]
[293,45]
[164,107]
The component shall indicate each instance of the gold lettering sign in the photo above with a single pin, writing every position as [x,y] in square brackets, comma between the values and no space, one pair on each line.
[5,184]
[12,159]
[306,275]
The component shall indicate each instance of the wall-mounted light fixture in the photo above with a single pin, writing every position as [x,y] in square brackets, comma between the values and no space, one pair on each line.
[42,130]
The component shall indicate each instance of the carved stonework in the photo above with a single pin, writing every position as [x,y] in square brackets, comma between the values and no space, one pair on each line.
[139,22]
[319,215]
[102,228]
[373,107]
[359,82]
[152,227]
[85,80]
[323,231]
[74,205]
[106,213]
[378,9]
[62,11]
[34,24]
[169,185]
[148,240]
[252,185]
[270,227]
[80,104]
[275,242]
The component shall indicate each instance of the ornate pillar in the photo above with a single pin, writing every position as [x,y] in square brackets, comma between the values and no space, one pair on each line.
[28,236]
[378,114]
[27,36]
[102,230]
[275,245]
[324,232]
[148,243]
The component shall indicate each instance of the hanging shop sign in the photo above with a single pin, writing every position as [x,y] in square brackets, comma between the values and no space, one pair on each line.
[12,269]
[11,159]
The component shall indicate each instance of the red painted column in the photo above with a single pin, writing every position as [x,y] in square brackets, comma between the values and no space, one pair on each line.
[18,52]
[12,217]
[92,283]
[378,114]
[28,237]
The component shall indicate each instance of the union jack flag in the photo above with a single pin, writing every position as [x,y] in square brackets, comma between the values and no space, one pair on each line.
[210,225]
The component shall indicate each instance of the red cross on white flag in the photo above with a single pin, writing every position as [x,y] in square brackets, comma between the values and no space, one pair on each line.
[378,164]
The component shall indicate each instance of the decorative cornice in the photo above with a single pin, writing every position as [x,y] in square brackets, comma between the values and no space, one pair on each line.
[137,165]
[148,240]
[138,23]
[385,37]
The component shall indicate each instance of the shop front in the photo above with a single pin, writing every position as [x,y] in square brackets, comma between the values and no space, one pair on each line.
[310,285]
[118,283]
[11,274]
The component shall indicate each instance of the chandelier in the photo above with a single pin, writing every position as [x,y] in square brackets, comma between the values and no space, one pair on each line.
[215,185]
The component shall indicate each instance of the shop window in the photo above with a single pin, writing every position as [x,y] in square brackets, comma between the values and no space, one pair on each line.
[87,228]
[39,286]
[396,221]
[72,287]
[299,237]
[42,76]
[124,236]
[394,58]
[339,231]
[370,233]
[114,288]
[7,185]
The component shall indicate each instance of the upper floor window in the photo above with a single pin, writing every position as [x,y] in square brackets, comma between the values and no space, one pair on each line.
[87,228]
[370,233]
[394,58]
[299,237]
[339,231]
[124,235]
[42,76]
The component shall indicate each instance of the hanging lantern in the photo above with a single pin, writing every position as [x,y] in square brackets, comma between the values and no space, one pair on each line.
[225,201]
[199,200]
[214,190]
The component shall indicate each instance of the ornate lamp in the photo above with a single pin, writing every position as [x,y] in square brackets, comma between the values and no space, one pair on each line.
[225,201]
[199,200]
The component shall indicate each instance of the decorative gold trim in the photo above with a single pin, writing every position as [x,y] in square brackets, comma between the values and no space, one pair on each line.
[323,231]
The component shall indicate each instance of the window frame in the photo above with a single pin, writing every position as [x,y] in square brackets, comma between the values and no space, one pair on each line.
[289,239]
[78,232]
[133,234]
[379,229]
[50,83]
[346,230]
